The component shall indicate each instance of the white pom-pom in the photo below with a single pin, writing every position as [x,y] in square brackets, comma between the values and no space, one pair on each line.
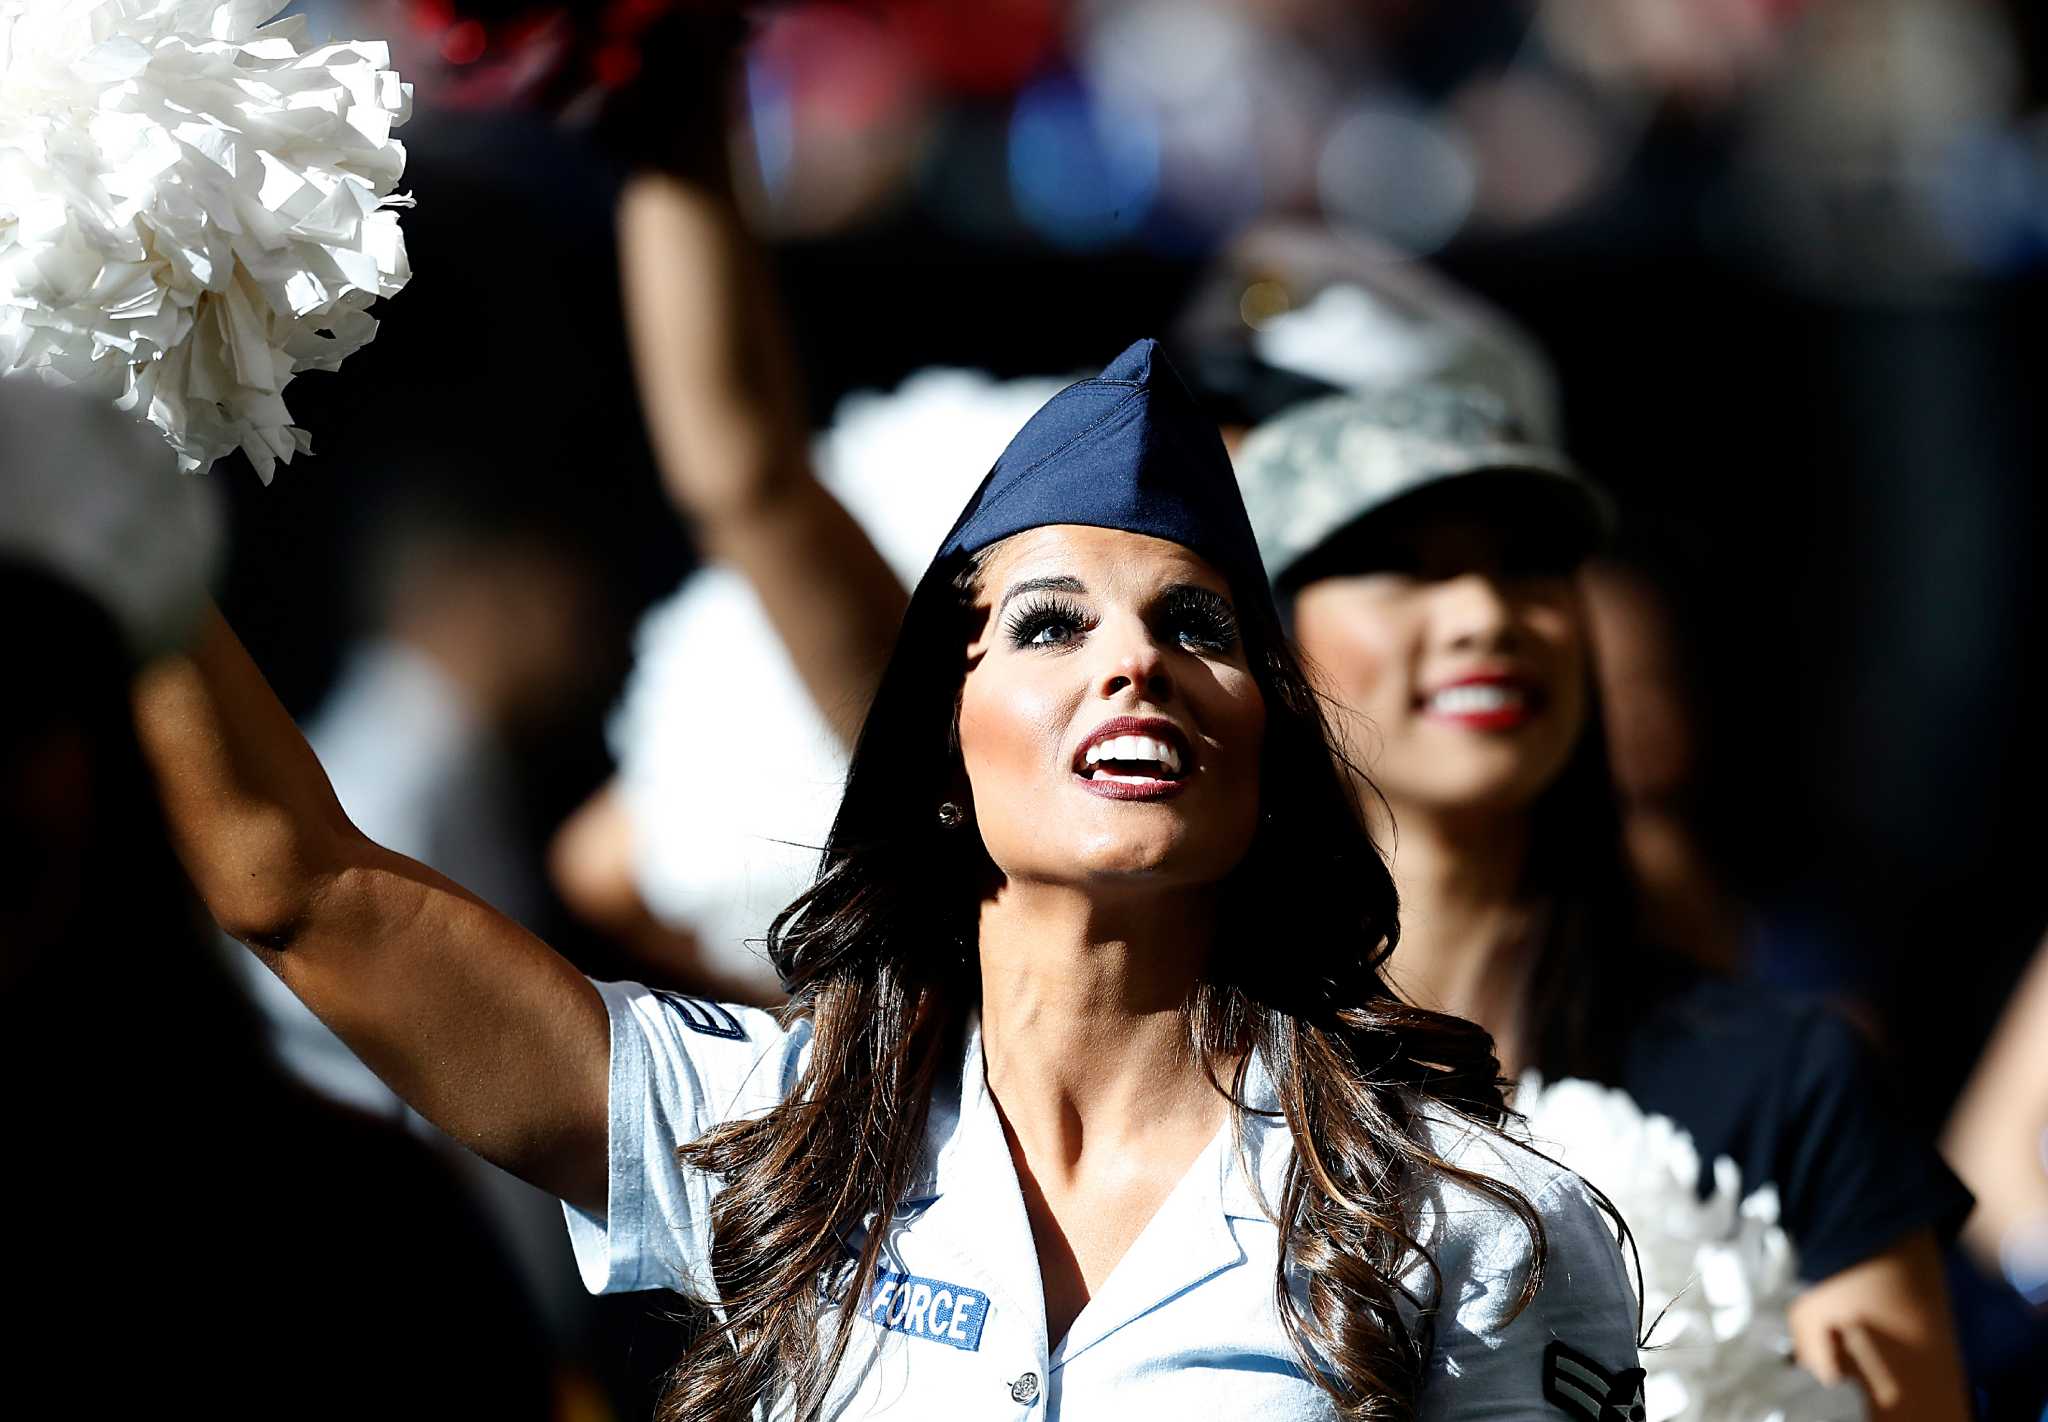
[92,493]
[904,461]
[1719,1272]
[195,206]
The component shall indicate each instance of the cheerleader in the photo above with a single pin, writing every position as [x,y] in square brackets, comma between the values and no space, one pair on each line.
[1090,1097]
[1425,548]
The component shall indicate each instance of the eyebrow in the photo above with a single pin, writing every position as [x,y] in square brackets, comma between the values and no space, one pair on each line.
[1031,585]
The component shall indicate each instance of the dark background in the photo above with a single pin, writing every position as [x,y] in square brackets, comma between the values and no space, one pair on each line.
[1824,445]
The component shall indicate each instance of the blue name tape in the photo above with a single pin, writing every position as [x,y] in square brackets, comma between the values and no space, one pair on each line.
[928,1308]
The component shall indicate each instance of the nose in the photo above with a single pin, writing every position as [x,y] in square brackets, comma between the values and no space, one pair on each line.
[1473,613]
[1135,666]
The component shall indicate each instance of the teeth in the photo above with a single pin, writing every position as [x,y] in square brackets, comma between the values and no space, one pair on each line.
[1136,749]
[1477,699]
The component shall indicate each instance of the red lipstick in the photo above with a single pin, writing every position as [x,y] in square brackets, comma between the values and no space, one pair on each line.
[1134,758]
[1483,701]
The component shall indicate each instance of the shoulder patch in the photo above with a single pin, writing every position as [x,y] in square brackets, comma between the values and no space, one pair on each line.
[1579,1387]
[706,1017]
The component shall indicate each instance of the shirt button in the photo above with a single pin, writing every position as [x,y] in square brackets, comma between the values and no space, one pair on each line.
[1025,1389]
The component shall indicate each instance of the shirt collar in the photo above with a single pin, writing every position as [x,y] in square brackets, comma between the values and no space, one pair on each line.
[975,1209]
[1253,1176]
[955,1094]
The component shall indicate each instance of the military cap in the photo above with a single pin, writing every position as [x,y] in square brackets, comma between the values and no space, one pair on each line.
[1127,450]
[1325,467]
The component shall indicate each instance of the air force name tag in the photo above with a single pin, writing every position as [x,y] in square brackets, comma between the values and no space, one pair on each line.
[928,1308]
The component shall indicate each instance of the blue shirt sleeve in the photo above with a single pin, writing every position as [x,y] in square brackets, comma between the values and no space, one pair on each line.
[679,1067]
[1490,1363]
[1791,1092]
[1855,1177]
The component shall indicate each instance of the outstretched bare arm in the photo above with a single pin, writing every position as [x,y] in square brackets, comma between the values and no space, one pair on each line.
[478,1024]
[720,398]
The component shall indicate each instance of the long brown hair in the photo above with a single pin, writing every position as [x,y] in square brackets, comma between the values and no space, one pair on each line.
[1595,966]
[878,955]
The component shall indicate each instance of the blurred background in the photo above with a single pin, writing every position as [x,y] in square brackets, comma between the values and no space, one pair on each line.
[1790,258]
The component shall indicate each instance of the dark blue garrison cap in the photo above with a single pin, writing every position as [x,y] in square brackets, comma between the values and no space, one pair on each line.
[1128,450]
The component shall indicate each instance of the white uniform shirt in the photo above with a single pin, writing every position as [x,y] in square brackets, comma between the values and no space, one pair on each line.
[1185,1326]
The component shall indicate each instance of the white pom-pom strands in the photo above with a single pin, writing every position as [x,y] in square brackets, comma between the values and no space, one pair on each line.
[195,206]
[1719,1272]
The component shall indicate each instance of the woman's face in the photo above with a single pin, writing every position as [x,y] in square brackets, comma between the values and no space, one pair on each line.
[1457,654]
[1109,722]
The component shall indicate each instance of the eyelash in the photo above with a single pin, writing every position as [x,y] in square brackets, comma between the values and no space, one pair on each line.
[1037,616]
[1203,624]
[1202,621]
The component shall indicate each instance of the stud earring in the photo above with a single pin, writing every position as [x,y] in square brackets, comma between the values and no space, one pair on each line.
[951,816]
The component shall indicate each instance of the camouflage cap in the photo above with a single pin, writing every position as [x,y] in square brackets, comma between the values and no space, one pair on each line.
[1292,309]
[1324,467]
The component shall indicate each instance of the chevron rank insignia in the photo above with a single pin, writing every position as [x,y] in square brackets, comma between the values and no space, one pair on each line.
[1579,1387]
[706,1017]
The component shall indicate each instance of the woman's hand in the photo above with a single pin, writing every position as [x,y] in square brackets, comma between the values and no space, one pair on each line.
[1885,1323]
[473,1021]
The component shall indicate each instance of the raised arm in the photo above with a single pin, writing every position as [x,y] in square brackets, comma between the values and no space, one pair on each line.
[478,1024]
[718,386]
[1884,1323]
[1995,1136]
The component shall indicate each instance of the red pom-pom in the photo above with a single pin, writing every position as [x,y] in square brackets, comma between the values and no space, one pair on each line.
[490,53]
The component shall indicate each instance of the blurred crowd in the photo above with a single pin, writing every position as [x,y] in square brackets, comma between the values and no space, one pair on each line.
[1771,272]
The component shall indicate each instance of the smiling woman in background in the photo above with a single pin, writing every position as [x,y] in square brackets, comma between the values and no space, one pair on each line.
[1426,548]
[1090,1096]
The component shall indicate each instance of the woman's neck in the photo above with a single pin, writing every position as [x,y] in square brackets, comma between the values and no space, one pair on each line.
[1083,1018]
[1467,945]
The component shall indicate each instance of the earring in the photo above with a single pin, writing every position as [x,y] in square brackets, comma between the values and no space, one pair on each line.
[951,816]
